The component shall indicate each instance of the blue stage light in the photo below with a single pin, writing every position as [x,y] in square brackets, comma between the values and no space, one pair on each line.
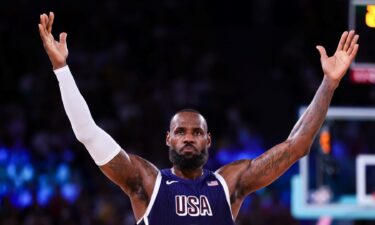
[225,156]
[70,192]
[3,189]
[4,155]
[27,173]
[11,171]
[44,195]
[22,199]
[62,173]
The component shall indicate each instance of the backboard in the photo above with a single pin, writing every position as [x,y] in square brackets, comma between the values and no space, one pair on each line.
[337,178]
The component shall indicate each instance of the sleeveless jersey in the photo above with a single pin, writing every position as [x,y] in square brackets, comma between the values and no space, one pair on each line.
[179,201]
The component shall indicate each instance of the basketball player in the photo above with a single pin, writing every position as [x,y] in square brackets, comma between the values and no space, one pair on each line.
[187,193]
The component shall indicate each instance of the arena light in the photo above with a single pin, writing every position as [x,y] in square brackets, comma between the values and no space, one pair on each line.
[62,173]
[70,192]
[44,195]
[4,154]
[27,172]
[370,16]
[22,198]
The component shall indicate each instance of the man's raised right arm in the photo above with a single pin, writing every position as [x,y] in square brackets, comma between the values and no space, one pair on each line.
[123,169]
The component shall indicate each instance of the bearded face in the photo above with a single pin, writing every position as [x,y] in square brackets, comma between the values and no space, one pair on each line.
[188,160]
[188,141]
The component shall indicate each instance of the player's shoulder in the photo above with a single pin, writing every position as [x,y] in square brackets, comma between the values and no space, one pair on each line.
[142,161]
[232,172]
[234,167]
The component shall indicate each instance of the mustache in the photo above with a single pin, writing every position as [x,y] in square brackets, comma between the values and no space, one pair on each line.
[189,145]
[194,161]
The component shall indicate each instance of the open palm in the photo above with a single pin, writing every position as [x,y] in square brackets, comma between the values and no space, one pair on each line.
[57,51]
[336,66]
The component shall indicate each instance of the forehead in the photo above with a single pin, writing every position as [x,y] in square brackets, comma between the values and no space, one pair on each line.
[188,120]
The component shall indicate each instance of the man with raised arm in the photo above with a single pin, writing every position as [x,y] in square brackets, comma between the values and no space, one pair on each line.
[187,193]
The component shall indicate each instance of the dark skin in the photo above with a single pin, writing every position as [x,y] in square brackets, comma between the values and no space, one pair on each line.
[136,176]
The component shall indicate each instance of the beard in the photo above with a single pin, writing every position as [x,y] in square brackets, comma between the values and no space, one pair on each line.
[189,161]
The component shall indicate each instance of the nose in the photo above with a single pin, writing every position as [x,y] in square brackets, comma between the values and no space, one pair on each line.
[189,138]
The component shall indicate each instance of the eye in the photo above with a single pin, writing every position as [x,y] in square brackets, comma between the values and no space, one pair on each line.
[179,132]
[198,133]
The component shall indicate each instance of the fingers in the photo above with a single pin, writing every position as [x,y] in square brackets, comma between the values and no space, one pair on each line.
[352,44]
[45,26]
[342,41]
[354,52]
[322,51]
[348,40]
[42,28]
[44,21]
[63,36]
[42,32]
[50,22]
[47,21]
[348,43]
[42,24]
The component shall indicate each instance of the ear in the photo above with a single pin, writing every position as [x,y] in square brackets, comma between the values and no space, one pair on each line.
[208,140]
[168,139]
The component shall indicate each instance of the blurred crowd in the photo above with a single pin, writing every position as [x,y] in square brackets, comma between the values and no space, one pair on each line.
[247,69]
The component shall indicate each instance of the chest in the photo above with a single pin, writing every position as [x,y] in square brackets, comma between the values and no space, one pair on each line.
[198,202]
[191,199]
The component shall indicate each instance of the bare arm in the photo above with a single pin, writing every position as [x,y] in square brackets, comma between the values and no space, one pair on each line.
[136,177]
[246,176]
[273,163]
[133,174]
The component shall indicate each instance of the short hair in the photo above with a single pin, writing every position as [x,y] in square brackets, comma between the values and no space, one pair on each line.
[189,110]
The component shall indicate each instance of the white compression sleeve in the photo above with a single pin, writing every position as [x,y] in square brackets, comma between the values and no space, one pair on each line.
[99,144]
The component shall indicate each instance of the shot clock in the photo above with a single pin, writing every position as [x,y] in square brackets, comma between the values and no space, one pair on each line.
[362,19]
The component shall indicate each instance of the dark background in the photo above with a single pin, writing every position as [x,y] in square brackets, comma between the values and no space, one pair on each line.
[247,66]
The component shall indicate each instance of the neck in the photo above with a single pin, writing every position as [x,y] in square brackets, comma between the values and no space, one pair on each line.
[187,174]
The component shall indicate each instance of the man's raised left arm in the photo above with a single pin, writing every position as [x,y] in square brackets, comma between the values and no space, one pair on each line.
[246,176]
